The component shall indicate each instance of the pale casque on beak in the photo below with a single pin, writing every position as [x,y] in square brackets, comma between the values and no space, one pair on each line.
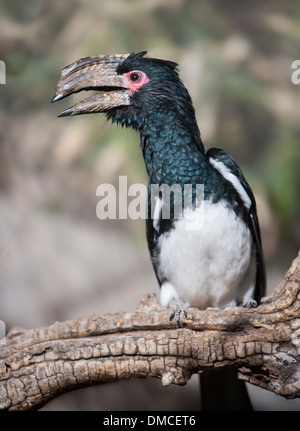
[93,73]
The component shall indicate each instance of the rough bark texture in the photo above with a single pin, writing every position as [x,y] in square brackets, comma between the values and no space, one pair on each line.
[263,344]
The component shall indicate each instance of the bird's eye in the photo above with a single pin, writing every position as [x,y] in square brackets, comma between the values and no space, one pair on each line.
[134,77]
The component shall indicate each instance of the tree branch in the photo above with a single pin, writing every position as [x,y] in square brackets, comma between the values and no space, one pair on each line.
[262,344]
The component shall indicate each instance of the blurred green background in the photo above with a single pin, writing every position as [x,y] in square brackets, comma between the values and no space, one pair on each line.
[57,260]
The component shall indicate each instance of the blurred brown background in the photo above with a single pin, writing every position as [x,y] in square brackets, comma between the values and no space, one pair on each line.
[57,259]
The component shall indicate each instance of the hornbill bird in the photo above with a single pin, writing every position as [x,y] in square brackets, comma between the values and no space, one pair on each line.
[218,263]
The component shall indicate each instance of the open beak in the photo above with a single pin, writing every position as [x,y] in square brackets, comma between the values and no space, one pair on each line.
[93,73]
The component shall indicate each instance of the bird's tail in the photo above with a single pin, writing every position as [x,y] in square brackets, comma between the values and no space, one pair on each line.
[221,390]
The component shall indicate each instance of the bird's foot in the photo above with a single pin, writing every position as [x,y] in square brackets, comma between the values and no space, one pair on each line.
[178,307]
[248,303]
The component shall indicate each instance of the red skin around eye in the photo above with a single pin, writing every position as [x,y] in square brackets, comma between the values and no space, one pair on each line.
[135,85]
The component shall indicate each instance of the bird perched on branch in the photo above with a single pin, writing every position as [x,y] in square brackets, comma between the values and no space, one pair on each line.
[210,255]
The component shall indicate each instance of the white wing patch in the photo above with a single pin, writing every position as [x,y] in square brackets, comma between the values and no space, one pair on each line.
[157,212]
[233,180]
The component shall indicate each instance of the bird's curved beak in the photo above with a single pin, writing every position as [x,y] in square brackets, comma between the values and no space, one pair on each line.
[93,73]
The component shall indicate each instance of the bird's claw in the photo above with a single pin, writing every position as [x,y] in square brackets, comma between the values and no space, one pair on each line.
[178,307]
[249,303]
